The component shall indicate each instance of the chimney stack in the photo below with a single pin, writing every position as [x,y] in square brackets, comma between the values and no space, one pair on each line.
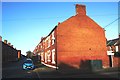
[19,54]
[41,38]
[80,9]
[5,41]
[9,44]
[58,23]
[0,38]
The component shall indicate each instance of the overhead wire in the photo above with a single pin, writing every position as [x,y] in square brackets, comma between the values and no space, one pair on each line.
[111,22]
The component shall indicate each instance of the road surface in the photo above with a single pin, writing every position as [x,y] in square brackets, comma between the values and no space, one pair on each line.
[14,70]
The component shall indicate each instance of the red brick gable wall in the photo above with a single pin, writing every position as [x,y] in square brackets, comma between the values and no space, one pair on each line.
[80,38]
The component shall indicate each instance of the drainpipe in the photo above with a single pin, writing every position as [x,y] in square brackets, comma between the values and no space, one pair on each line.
[56,47]
[119,44]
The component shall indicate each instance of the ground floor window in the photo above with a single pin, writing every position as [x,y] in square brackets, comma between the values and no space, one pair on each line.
[53,56]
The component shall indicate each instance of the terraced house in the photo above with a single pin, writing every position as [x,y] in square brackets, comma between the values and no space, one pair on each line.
[113,52]
[73,43]
[9,53]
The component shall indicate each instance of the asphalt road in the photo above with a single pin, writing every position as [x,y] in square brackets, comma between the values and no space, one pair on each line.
[14,70]
[52,73]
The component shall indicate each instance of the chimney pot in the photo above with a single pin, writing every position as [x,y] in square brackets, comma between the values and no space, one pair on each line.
[5,41]
[80,9]
[58,23]
[0,38]
[41,38]
[9,44]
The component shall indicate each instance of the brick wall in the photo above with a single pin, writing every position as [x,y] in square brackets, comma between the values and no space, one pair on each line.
[45,49]
[116,61]
[77,39]
[8,53]
[80,38]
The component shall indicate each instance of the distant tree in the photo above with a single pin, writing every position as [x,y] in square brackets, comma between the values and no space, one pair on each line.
[29,54]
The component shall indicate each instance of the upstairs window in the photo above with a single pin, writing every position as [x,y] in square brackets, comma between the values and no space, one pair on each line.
[116,48]
[49,54]
[42,56]
[45,43]
[49,41]
[41,46]
[53,38]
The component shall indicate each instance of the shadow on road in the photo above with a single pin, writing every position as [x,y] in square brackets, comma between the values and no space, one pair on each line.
[14,70]
[66,71]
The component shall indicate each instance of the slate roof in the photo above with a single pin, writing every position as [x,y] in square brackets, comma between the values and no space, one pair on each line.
[113,42]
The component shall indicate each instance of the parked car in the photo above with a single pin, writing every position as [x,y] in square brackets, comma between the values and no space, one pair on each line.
[28,65]
[28,59]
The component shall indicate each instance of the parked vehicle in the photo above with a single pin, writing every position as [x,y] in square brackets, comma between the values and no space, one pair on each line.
[28,59]
[28,65]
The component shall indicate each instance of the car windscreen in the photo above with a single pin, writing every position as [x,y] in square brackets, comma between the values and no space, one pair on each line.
[28,61]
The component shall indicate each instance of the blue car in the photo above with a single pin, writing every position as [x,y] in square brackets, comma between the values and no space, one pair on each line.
[28,65]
